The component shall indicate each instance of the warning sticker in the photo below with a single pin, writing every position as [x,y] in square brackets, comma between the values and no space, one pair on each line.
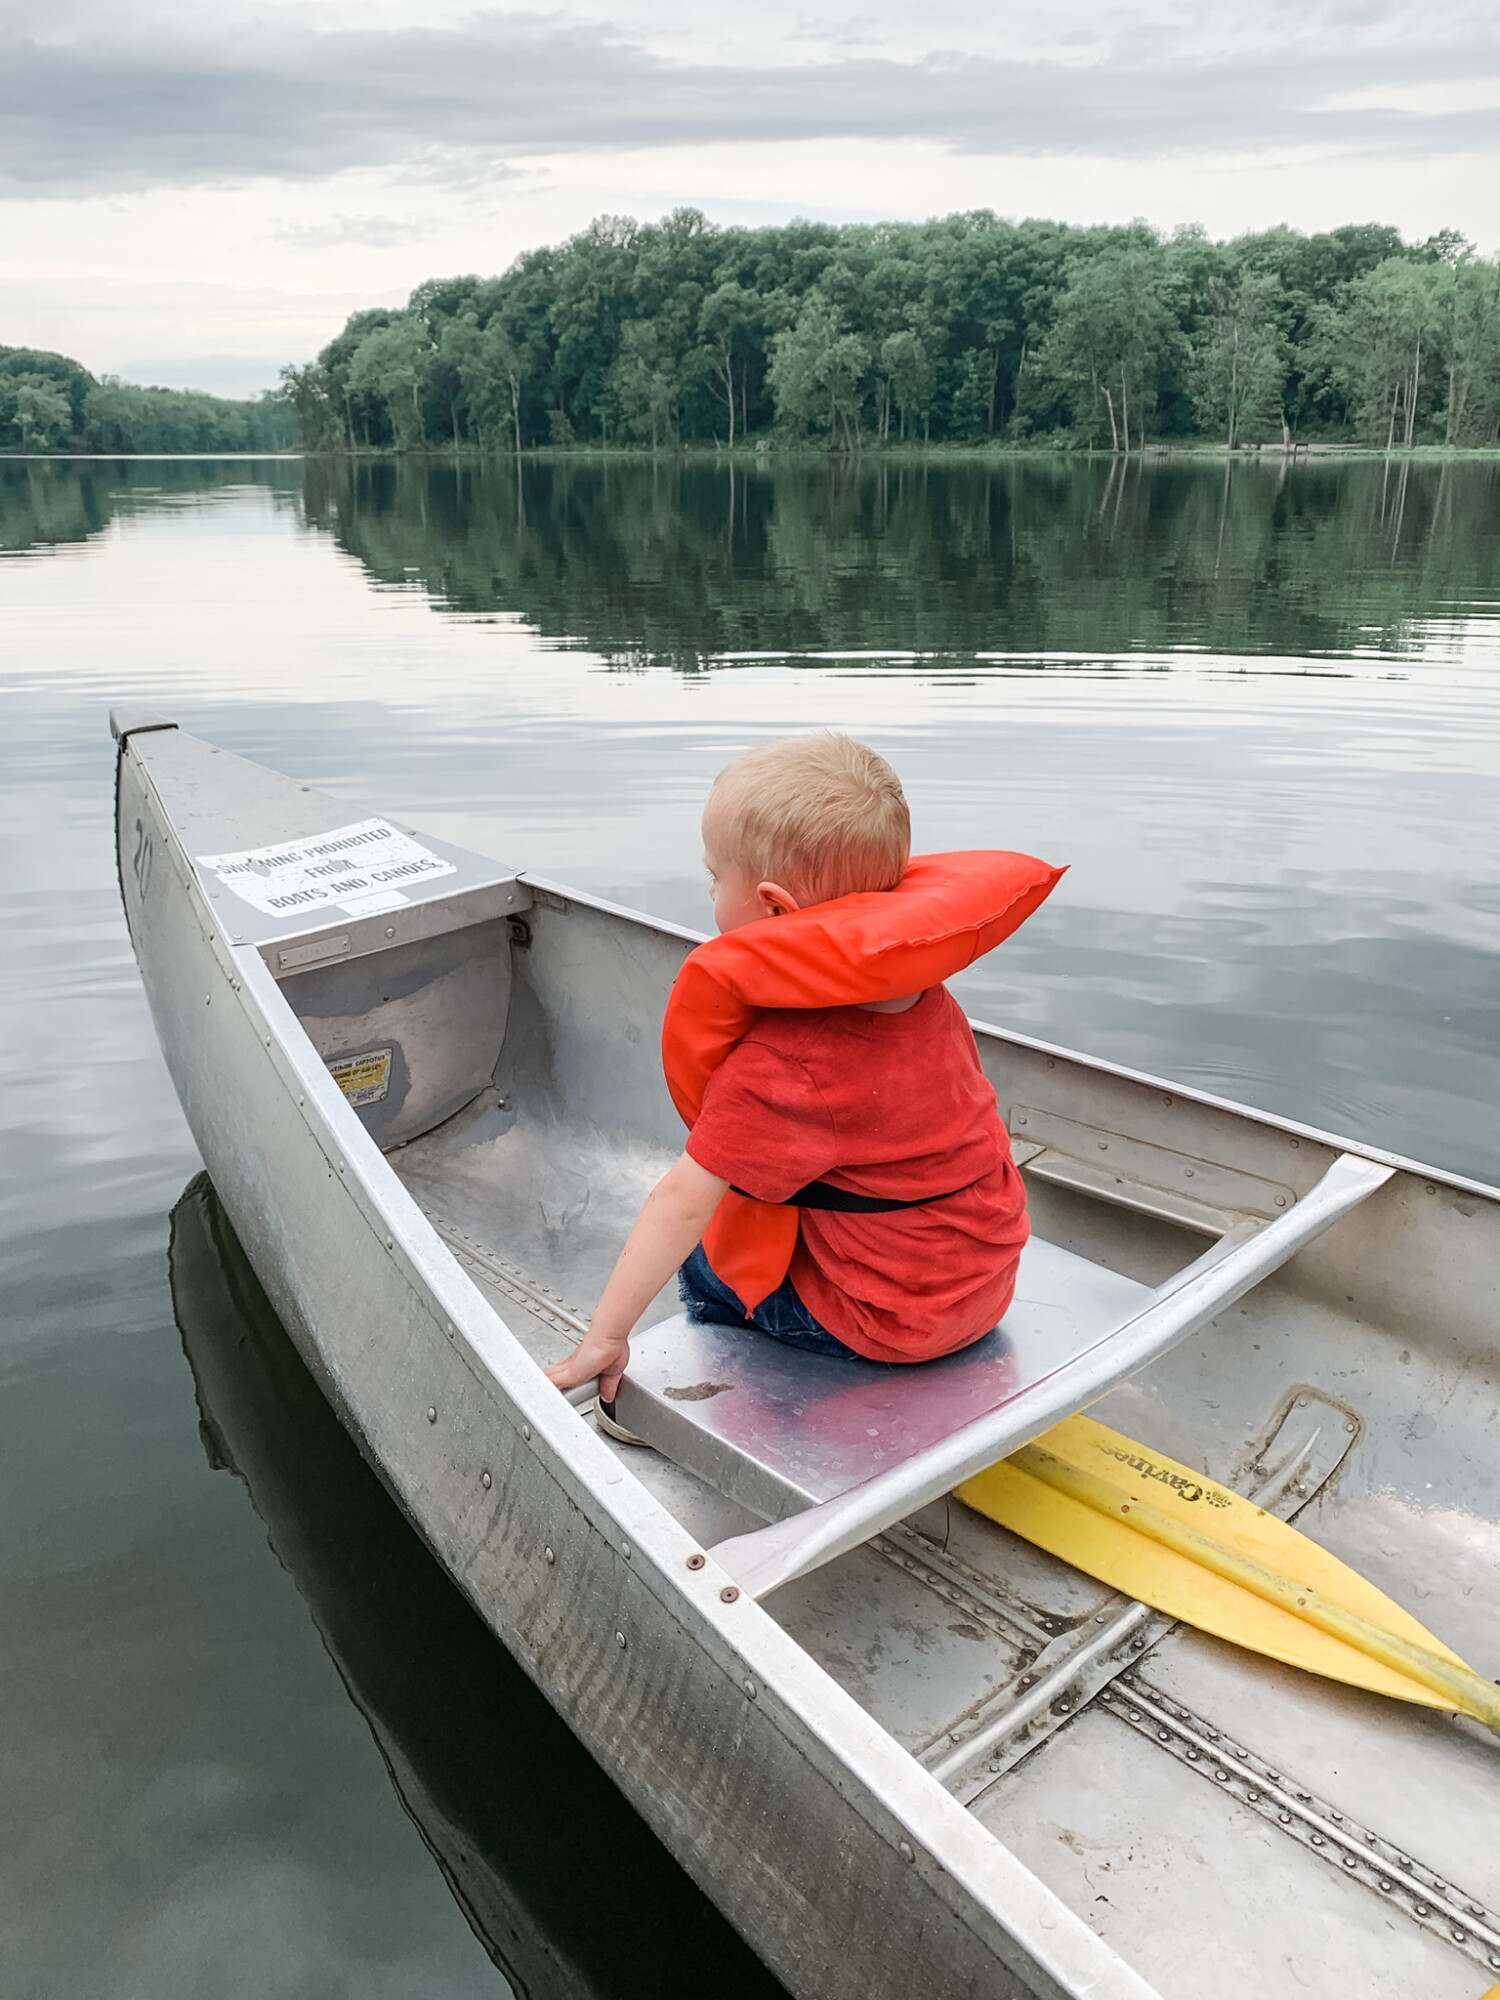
[364,1079]
[360,869]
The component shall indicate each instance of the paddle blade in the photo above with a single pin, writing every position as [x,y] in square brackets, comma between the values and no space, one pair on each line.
[1112,1551]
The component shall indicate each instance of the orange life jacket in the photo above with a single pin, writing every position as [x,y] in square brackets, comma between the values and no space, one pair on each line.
[946,911]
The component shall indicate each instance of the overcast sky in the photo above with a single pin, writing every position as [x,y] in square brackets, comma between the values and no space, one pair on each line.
[194,193]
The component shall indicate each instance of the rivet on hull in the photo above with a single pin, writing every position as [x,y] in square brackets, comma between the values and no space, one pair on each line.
[432,1413]
[485,1481]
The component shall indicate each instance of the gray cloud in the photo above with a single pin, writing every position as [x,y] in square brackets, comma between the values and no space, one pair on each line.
[96,114]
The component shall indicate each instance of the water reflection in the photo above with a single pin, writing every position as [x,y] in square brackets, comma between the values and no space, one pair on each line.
[683,562]
[48,503]
[561,1883]
[677,563]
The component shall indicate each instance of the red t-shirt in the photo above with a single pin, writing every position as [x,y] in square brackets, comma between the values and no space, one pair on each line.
[893,1105]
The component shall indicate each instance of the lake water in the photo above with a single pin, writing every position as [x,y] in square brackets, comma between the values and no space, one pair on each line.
[267,1751]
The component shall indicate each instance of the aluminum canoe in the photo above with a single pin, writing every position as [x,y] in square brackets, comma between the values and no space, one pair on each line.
[901,1751]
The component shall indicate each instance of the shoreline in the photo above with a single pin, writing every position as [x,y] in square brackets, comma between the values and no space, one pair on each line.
[763,456]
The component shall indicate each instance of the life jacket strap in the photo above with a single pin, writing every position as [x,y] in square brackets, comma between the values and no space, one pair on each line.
[844,1201]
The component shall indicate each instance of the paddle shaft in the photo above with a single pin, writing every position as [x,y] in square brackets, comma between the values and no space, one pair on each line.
[1468,1691]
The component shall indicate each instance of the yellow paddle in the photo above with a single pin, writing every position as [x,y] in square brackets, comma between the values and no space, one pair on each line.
[1176,1540]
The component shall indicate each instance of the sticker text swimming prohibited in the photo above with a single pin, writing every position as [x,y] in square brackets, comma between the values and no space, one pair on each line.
[361,869]
[364,1079]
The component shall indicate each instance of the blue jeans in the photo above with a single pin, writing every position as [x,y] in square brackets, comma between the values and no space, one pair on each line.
[705,1296]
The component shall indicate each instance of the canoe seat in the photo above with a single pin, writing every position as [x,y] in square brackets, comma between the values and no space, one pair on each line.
[830,1452]
[778,1430]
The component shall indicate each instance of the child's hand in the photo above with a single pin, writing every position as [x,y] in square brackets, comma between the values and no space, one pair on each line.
[602,1354]
[675,1214]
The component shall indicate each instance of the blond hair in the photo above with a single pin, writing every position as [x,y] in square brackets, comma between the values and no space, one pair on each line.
[822,815]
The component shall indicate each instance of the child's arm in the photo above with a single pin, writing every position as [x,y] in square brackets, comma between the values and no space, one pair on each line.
[676,1213]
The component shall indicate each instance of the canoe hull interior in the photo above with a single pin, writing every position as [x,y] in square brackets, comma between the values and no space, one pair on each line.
[425,1246]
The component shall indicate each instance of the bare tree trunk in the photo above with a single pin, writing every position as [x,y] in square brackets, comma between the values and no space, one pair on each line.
[1458,415]
[515,412]
[1390,432]
[1234,388]
[1015,405]
[1114,429]
[1416,382]
[1448,428]
[1125,408]
[726,369]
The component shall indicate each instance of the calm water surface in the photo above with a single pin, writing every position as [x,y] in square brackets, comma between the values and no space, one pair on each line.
[268,1752]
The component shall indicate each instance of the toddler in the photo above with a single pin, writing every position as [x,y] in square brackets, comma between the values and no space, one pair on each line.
[873,1119]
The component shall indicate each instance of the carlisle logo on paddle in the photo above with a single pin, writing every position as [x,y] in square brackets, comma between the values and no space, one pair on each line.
[1185,1488]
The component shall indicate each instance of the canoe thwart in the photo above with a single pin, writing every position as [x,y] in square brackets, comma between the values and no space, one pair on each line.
[778,1431]
[771,1556]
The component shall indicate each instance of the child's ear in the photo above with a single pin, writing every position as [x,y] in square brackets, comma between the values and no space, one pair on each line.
[774,900]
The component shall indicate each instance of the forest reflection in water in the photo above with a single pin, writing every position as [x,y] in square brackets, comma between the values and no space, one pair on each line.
[682,562]
[671,564]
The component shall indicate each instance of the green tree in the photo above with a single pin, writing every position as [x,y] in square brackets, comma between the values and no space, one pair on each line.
[312,393]
[1237,362]
[817,373]
[39,410]
[1469,305]
[394,363]
[644,385]
[908,377]
[1113,333]
[728,322]
[1377,343]
[493,367]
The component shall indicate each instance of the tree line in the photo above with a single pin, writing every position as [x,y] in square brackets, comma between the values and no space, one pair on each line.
[50,403]
[966,330]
